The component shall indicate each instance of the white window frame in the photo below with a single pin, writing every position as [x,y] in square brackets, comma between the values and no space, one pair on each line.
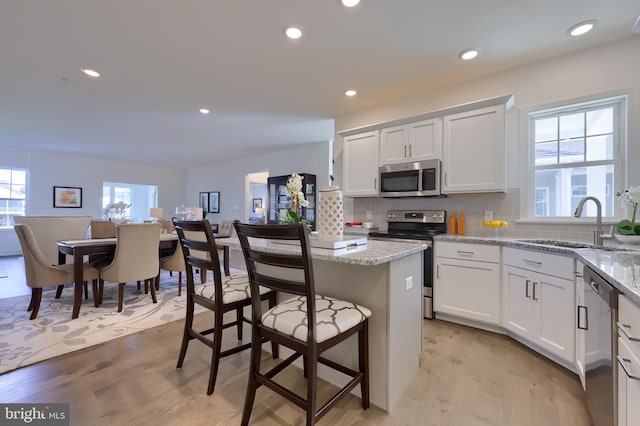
[26,192]
[527,196]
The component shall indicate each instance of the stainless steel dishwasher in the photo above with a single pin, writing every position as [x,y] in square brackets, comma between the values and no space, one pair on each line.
[601,315]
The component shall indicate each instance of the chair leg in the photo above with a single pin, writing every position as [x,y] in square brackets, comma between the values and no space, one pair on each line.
[138,282]
[203,276]
[59,291]
[311,363]
[179,283]
[239,322]
[215,356]
[275,348]
[96,293]
[363,362]
[100,290]
[152,284]
[34,305]
[186,335]
[120,296]
[86,290]
[254,368]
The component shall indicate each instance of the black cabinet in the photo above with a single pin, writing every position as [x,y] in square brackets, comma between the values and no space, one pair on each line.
[279,202]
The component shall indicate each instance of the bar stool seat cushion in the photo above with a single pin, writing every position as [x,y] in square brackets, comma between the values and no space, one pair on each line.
[333,317]
[234,288]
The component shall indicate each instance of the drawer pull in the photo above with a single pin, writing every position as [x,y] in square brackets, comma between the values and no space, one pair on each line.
[532,262]
[623,329]
[465,253]
[627,369]
[526,288]
[586,317]
[534,291]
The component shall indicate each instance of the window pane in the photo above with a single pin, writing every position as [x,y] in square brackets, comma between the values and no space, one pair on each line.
[567,186]
[18,177]
[13,191]
[600,121]
[572,126]
[546,153]
[572,150]
[600,148]
[546,129]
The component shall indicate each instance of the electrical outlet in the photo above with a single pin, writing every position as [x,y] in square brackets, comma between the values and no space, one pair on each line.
[408,283]
[369,214]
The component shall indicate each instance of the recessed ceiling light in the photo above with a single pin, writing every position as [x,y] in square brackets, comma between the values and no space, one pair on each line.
[582,28]
[204,111]
[293,33]
[349,3]
[90,72]
[468,54]
[350,92]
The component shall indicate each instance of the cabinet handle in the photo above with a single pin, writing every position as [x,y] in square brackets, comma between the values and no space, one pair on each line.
[445,178]
[579,275]
[627,369]
[533,262]
[623,330]
[405,151]
[375,183]
[465,253]
[437,271]
[586,317]
[526,288]
[534,291]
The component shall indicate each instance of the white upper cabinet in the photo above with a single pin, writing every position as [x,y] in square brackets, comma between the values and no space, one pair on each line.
[474,158]
[361,164]
[417,141]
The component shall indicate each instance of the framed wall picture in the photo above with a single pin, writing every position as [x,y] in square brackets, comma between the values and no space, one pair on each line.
[67,197]
[257,204]
[214,202]
[204,201]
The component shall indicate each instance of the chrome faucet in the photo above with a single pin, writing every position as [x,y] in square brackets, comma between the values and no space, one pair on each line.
[598,233]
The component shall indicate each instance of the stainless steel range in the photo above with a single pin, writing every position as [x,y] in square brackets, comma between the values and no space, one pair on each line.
[418,226]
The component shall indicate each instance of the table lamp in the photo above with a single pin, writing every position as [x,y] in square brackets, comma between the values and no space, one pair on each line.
[156,213]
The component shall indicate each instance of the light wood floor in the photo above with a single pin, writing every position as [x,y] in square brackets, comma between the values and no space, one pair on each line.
[467,377]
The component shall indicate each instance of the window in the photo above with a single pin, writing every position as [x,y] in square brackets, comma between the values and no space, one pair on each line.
[13,195]
[576,152]
[139,198]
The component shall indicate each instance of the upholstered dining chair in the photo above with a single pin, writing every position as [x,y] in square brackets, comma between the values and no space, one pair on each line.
[103,229]
[135,259]
[174,263]
[220,295]
[49,229]
[41,273]
[306,323]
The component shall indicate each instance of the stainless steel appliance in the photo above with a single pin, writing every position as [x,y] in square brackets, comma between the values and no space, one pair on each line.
[417,179]
[417,226]
[600,317]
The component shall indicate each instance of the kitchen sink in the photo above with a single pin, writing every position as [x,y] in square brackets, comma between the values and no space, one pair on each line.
[572,245]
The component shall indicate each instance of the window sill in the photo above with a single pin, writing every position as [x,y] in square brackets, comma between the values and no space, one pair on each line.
[567,221]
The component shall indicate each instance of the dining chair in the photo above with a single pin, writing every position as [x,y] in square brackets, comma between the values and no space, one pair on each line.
[49,229]
[306,323]
[174,263]
[135,259]
[41,273]
[220,295]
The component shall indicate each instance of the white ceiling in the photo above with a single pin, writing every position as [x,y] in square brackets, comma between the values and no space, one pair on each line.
[162,60]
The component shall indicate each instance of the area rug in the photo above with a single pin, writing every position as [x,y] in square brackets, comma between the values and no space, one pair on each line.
[53,332]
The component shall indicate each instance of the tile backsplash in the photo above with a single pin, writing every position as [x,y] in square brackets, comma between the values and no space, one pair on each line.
[504,206]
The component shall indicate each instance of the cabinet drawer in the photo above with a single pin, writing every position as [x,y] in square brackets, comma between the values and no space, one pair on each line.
[539,261]
[464,251]
[629,323]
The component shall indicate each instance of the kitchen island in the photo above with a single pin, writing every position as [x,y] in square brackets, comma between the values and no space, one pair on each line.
[385,277]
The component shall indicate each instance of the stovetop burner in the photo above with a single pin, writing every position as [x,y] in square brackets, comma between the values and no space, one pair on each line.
[413,224]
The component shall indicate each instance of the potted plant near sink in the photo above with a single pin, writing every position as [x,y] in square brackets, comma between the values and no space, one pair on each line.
[628,231]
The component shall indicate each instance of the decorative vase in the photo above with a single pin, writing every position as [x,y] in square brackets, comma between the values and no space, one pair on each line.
[330,213]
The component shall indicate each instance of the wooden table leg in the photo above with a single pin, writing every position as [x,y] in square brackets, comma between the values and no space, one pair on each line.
[78,286]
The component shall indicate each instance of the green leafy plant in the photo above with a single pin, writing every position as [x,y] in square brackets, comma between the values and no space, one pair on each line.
[629,198]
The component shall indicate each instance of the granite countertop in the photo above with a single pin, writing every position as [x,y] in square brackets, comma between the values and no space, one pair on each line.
[370,254]
[619,264]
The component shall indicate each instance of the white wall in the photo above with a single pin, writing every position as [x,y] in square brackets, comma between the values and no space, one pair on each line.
[229,177]
[47,169]
[606,70]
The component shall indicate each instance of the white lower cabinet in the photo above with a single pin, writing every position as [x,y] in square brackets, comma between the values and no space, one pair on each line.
[628,362]
[540,306]
[581,325]
[467,281]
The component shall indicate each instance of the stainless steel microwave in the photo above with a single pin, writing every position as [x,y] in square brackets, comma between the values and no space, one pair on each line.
[417,179]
